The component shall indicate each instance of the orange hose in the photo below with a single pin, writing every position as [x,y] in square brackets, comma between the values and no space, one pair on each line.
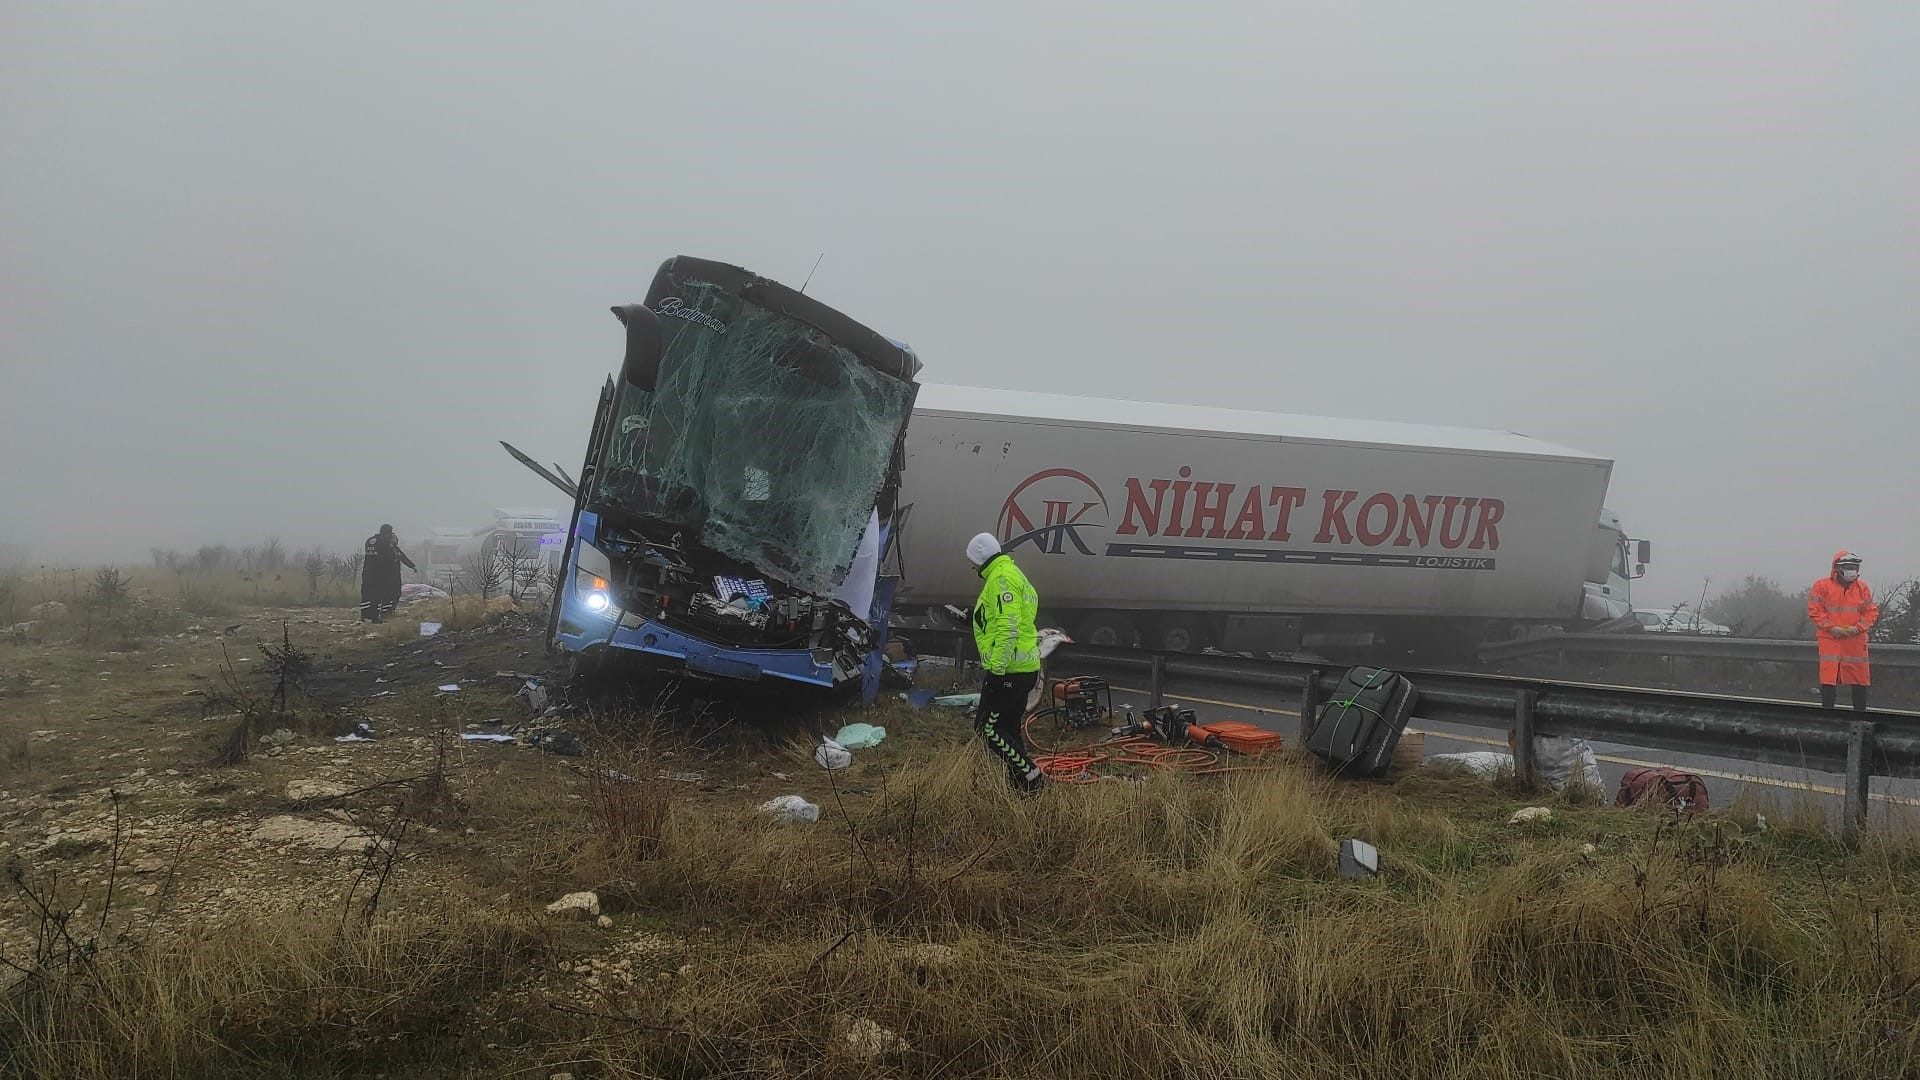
[1094,762]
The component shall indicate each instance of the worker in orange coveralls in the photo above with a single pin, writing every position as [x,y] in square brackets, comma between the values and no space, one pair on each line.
[1842,609]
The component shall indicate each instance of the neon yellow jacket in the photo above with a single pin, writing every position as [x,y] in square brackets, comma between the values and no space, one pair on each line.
[1003,619]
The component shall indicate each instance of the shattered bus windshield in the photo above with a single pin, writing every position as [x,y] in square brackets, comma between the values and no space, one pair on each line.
[763,440]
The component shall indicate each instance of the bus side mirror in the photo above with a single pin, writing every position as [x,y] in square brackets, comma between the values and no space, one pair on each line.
[641,368]
[1643,552]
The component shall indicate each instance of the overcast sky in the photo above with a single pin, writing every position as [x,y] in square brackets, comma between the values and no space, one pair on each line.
[292,269]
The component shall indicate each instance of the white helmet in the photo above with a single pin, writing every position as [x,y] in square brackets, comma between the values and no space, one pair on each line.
[981,549]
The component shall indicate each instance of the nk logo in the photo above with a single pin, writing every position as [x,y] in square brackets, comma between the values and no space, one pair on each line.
[1050,510]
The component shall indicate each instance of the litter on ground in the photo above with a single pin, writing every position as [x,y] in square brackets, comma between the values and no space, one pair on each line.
[860,736]
[831,755]
[792,809]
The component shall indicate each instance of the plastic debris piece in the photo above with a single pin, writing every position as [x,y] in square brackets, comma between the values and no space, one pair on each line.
[1529,815]
[1358,859]
[958,701]
[831,755]
[792,809]
[428,629]
[450,688]
[534,695]
[485,736]
[860,736]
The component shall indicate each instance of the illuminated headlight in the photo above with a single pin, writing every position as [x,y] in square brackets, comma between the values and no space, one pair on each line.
[595,593]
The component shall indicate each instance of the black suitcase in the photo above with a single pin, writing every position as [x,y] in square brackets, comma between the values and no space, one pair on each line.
[1356,729]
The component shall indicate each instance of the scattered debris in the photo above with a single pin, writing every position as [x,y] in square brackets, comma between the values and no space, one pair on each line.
[831,755]
[534,695]
[860,736]
[484,736]
[1358,859]
[579,905]
[428,629]
[958,701]
[1484,764]
[792,809]
[449,688]
[325,835]
[352,737]
[557,742]
[1530,814]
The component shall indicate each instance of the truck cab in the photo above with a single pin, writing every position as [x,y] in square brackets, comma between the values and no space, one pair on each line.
[1613,562]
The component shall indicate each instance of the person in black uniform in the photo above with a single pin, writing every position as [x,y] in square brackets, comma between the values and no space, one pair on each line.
[380,575]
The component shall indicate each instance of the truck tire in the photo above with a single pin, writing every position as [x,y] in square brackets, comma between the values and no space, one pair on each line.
[1107,631]
[1180,634]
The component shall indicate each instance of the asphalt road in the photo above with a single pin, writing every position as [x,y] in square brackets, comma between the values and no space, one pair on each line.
[1780,787]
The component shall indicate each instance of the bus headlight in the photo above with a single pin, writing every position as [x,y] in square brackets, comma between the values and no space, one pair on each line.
[597,601]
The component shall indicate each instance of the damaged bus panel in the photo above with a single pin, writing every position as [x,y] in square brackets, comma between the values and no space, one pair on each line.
[736,504]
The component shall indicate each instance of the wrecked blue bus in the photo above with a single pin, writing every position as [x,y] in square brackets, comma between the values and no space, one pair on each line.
[733,517]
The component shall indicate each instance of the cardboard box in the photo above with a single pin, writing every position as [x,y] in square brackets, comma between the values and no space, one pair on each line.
[1409,752]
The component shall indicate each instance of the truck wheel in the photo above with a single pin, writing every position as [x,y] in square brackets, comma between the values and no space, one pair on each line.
[1107,632]
[1180,635]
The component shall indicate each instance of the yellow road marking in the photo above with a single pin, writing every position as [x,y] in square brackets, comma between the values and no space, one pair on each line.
[1744,778]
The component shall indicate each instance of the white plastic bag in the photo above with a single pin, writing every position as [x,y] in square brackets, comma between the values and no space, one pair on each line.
[831,755]
[792,809]
[860,736]
[1562,760]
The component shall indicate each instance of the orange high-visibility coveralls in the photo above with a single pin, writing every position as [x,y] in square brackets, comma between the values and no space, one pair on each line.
[1842,614]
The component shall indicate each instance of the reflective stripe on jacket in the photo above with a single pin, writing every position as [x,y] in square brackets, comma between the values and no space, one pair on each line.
[1830,605]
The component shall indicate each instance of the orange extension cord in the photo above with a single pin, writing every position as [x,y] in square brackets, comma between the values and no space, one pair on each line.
[1097,761]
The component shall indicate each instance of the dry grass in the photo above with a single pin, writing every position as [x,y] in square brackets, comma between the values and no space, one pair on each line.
[1175,926]
[292,994]
[1181,928]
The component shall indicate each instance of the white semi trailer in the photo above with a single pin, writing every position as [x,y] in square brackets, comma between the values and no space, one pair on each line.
[1179,527]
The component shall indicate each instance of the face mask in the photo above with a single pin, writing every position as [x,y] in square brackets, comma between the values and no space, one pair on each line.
[1849,576]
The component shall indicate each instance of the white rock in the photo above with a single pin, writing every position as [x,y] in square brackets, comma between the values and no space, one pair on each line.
[579,905]
[324,835]
[605,922]
[1588,849]
[1529,815]
[52,609]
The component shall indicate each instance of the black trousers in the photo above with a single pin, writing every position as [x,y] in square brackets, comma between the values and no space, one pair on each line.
[1003,705]
[1827,696]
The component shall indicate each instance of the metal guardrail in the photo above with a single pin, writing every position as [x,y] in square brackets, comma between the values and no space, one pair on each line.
[1858,746]
[1752,650]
